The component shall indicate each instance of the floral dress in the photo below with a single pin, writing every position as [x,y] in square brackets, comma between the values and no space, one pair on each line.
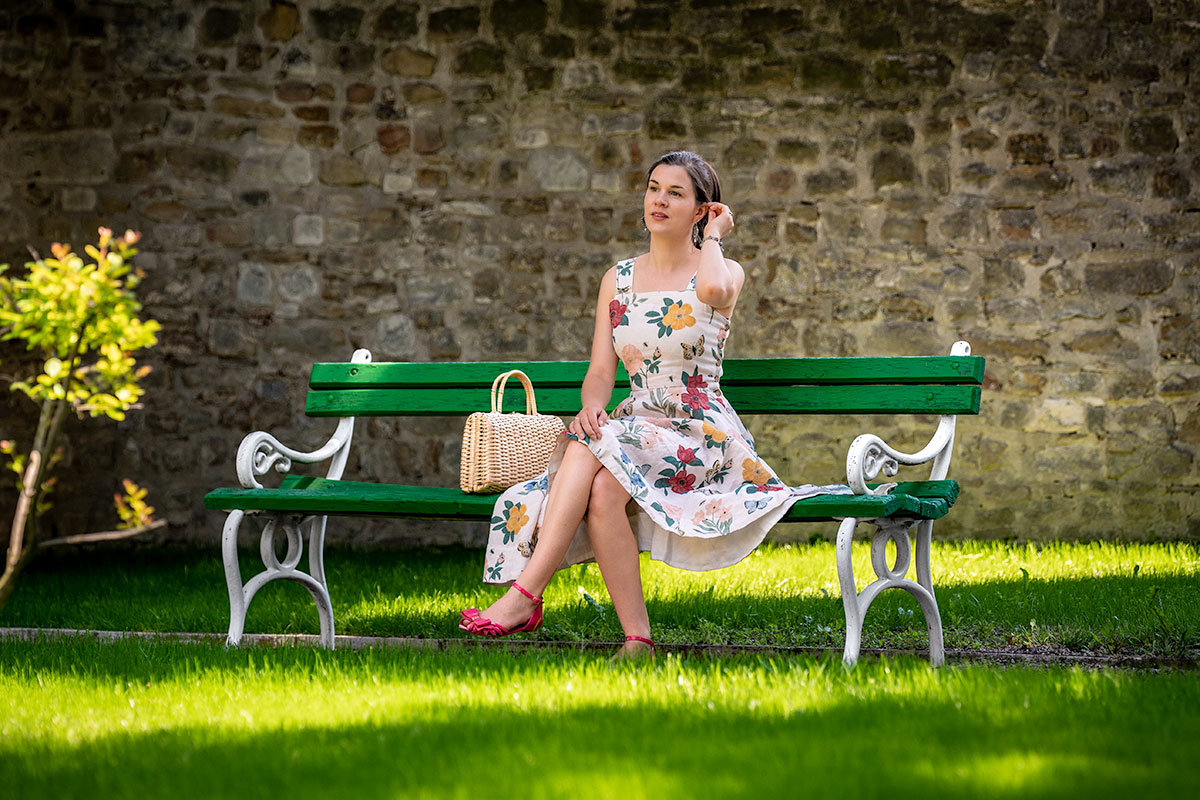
[700,497]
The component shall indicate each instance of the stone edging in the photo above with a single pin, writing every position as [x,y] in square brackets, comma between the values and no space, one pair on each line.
[996,657]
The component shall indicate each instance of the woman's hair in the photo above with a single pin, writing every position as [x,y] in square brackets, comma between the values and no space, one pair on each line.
[705,182]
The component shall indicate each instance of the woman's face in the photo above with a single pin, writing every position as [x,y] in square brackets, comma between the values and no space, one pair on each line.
[670,204]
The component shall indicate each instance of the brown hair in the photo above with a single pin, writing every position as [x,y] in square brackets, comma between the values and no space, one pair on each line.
[705,182]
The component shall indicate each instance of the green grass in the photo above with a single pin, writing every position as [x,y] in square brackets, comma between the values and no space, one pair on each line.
[1133,599]
[151,719]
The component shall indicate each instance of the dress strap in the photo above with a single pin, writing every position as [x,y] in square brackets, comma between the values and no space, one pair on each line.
[625,276]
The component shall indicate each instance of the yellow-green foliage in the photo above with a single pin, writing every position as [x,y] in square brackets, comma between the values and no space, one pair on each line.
[133,509]
[83,318]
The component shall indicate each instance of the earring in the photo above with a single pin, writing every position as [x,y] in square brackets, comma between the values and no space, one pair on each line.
[698,235]
[644,224]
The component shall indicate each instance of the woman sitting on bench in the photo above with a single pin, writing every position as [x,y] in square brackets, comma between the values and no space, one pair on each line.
[702,498]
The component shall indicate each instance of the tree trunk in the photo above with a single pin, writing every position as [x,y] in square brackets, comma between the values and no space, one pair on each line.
[8,581]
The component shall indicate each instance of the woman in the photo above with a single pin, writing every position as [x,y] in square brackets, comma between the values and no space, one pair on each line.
[702,498]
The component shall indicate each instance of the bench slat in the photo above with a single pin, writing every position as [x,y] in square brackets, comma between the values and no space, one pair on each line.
[460,401]
[771,371]
[313,495]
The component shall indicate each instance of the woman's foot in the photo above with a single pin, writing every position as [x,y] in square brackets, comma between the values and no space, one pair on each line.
[635,647]
[513,610]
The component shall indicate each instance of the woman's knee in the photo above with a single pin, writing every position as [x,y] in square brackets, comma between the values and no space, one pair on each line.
[607,495]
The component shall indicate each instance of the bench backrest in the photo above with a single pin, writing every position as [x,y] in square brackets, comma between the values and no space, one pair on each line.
[895,385]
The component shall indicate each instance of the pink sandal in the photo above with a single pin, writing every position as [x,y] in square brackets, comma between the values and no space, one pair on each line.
[482,626]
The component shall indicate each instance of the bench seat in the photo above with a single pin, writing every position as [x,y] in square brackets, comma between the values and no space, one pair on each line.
[300,494]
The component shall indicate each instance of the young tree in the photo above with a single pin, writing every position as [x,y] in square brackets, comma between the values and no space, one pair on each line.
[81,317]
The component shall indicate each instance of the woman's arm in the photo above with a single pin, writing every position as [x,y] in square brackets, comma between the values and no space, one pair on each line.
[602,372]
[718,279]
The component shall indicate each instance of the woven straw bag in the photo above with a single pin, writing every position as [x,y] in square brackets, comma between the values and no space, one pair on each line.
[498,449]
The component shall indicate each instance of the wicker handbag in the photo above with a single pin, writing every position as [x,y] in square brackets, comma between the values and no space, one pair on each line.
[498,449]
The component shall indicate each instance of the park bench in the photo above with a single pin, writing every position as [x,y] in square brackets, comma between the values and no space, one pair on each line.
[936,385]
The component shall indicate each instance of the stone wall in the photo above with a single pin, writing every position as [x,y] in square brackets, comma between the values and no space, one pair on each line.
[448,180]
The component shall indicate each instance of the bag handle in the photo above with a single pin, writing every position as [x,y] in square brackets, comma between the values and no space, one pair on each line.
[501,380]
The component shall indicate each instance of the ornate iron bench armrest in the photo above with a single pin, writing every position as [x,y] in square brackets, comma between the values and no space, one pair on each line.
[869,454]
[259,452]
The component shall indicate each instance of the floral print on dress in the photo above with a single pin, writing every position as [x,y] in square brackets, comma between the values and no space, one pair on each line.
[701,498]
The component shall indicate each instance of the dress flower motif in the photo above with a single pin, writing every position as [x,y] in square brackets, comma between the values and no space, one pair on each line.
[616,313]
[701,496]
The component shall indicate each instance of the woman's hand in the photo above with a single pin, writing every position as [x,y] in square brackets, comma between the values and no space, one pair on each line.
[720,220]
[588,421]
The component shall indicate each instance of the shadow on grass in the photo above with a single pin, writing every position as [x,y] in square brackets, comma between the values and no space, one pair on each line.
[418,593]
[860,739]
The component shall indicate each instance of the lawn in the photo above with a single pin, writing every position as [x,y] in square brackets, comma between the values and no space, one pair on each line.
[1133,599]
[147,719]
[143,718]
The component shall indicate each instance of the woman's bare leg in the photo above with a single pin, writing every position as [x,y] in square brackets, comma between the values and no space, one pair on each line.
[565,507]
[616,552]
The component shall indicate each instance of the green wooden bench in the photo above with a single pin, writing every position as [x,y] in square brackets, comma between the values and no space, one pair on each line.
[299,506]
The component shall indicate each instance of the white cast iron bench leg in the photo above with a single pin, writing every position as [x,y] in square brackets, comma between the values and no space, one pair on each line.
[888,577]
[313,580]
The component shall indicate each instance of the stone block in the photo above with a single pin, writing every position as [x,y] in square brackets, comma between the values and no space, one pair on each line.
[230,233]
[427,137]
[558,46]
[229,338]
[393,138]
[514,17]
[335,24]
[645,71]
[828,70]
[586,14]
[1152,135]
[280,22]
[388,225]
[246,108]
[799,151]
[1105,342]
[358,57]
[914,70]
[831,181]
[312,114]
[200,163]
[308,230]
[397,21]
[454,22]
[254,285]
[558,172]
[79,198]
[1172,184]
[1029,148]
[1146,276]
[641,18]
[891,166]
[219,26]
[904,230]
[323,136]
[479,59]
[1041,180]
[294,91]
[341,170]
[979,139]
[745,153]
[340,231]
[1179,338]
[409,62]
[1080,45]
